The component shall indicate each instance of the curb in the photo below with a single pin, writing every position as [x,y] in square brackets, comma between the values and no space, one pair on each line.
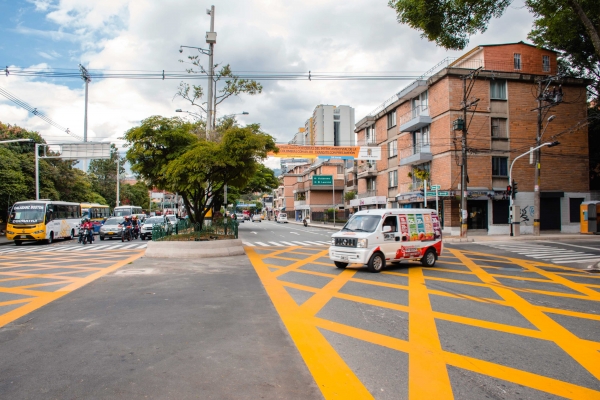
[192,249]
[524,238]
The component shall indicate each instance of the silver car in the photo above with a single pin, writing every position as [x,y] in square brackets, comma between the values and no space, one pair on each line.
[111,228]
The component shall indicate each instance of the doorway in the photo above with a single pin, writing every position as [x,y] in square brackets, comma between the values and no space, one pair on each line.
[478,214]
[550,214]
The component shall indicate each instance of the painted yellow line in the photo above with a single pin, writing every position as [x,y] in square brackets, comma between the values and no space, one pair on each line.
[43,298]
[428,375]
[571,344]
[332,375]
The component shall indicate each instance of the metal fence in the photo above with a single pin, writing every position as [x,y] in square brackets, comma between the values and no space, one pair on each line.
[184,230]
[341,216]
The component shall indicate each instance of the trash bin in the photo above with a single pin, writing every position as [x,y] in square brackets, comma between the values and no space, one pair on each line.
[590,217]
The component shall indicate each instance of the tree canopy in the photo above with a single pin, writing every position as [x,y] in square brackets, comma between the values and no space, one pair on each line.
[166,153]
[569,27]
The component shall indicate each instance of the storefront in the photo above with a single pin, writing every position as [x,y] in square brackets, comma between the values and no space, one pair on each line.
[369,203]
[302,212]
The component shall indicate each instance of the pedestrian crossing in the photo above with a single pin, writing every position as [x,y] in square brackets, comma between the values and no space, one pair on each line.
[281,243]
[555,255]
[60,248]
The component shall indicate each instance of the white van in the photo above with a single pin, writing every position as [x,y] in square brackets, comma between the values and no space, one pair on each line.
[376,237]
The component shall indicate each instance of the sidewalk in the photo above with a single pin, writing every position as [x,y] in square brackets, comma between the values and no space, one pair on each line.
[5,241]
[480,238]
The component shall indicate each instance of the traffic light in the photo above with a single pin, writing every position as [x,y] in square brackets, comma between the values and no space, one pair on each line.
[508,190]
[514,189]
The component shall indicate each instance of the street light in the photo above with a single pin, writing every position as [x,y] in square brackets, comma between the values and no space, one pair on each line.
[179,110]
[17,140]
[231,115]
[510,181]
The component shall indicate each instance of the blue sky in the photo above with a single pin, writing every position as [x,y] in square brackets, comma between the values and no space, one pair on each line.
[354,36]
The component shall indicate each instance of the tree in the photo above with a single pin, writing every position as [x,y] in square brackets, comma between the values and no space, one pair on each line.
[569,27]
[103,176]
[136,195]
[233,86]
[167,154]
[262,181]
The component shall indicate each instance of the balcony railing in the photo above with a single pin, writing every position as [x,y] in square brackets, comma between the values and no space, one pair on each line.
[367,170]
[415,119]
[299,203]
[366,142]
[418,154]
[368,193]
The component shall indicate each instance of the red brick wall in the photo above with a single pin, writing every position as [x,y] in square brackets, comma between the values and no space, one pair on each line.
[501,58]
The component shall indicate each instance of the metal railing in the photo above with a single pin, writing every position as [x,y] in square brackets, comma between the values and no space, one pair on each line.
[184,230]
[414,113]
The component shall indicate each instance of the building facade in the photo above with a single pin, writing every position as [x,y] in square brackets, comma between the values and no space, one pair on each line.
[328,126]
[416,132]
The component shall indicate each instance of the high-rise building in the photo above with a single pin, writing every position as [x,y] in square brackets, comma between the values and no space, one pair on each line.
[328,126]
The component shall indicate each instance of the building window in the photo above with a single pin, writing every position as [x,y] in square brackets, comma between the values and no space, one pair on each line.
[391,119]
[574,209]
[498,90]
[546,63]
[420,139]
[517,61]
[499,128]
[499,166]
[371,184]
[336,133]
[393,178]
[370,134]
[420,104]
[392,149]
[417,184]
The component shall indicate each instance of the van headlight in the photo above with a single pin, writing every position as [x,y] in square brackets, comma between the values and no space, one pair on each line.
[10,233]
[333,241]
[37,232]
[362,243]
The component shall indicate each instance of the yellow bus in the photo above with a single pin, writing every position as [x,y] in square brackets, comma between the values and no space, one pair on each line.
[97,213]
[45,220]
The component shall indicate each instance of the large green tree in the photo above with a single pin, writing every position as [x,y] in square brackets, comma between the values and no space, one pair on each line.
[168,154]
[136,195]
[570,27]
[103,176]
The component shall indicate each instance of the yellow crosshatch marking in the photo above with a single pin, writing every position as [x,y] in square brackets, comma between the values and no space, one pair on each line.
[29,281]
[428,361]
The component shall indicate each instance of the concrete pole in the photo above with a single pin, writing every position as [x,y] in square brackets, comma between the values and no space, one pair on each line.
[463,174]
[37,172]
[211,69]
[536,179]
[118,195]
[425,193]
[333,190]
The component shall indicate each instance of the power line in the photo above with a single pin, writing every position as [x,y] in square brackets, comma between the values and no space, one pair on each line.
[36,112]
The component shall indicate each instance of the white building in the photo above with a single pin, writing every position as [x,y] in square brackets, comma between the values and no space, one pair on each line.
[328,126]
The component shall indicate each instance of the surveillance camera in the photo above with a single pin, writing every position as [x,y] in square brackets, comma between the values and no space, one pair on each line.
[181,50]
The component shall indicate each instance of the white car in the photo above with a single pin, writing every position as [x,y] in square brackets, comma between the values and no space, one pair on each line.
[281,218]
[256,218]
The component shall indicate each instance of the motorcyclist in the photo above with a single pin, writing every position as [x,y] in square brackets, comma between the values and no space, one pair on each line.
[127,225]
[87,224]
[135,224]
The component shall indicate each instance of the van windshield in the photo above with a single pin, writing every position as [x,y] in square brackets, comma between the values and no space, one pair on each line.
[362,223]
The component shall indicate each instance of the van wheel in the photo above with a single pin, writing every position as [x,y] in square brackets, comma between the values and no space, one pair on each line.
[429,258]
[18,242]
[376,263]
[51,238]
[340,264]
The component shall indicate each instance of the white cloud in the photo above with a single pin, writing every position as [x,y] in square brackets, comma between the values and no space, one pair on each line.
[354,36]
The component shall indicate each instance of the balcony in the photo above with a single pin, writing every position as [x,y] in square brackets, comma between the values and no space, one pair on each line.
[368,193]
[366,142]
[416,155]
[367,171]
[415,119]
[299,203]
[300,187]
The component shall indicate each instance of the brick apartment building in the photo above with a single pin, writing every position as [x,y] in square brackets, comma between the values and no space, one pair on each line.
[415,132]
[299,198]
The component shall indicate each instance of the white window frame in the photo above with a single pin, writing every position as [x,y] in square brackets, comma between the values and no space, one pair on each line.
[393,149]
[391,119]
[546,63]
[498,83]
[393,179]
[517,61]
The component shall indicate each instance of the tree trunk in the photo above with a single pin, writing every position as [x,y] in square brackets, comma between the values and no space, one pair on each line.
[589,26]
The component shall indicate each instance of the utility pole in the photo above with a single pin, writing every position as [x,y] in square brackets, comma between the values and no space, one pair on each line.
[118,201]
[211,39]
[536,179]
[463,170]
[86,78]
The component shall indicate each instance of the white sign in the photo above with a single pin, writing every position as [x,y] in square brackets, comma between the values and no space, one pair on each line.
[369,153]
[87,150]
[157,195]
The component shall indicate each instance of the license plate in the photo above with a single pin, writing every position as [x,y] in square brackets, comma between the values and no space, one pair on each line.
[110,233]
[23,236]
[343,258]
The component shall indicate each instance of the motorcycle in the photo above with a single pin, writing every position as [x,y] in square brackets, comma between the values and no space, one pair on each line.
[85,236]
[136,232]
[305,222]
[126,234]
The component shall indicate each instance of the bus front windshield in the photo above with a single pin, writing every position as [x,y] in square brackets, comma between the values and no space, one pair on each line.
[362,223]
[122,213]
[27,213]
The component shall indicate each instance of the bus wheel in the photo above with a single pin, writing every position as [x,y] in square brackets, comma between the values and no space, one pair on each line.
[376,263]
[429,258]
[72,235]
[51,238]
[18,242]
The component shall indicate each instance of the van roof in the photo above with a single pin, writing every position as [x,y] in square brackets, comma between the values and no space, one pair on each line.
[396,211]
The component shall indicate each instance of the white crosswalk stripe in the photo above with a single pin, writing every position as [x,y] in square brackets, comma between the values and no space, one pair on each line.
[556,255]
[72,248]
[282,243]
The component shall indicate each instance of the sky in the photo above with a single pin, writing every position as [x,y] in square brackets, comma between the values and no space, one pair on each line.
[358,37]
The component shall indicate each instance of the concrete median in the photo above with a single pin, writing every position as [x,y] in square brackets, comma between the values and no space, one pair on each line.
[193,249]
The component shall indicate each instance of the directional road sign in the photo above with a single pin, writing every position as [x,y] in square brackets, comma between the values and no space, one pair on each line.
[438,187]
[440,194]
[322,180]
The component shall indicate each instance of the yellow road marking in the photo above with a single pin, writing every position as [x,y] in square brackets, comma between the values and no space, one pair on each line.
[39,298]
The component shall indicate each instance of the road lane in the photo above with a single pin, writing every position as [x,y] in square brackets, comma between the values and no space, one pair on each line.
[480,324]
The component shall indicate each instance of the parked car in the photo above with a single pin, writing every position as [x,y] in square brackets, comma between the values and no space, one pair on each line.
[111,228]
[256,218]
[172,219]
[146,231]
[282,218]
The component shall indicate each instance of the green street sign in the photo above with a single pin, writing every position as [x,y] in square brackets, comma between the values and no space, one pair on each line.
[438,187]
[440,194]
[322,180]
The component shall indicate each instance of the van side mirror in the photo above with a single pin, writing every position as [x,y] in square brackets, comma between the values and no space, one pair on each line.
[404,238]
[386,228]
